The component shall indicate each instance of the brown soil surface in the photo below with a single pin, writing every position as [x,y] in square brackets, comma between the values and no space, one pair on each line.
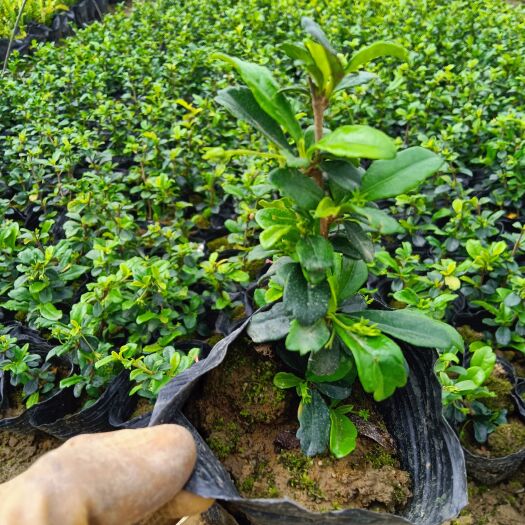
[18,452]
[251,426]
[501,504]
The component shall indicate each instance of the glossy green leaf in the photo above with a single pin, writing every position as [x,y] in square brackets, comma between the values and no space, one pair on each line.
[328,64]
[359,240]
[380,363]
[388,178]
[342,245]
[316,32]
[240,102]
[316,256]
[349,276]
[357,141]
[414,327]
[265,89]
[275,216]
[307,338]
[314,429]
[343,435]
[272,325]
[376,50]
[485,358]
[286,380]
[308,302]
[48,311]
[329,364]
[379,220]
[343,173]
[355,79]
[273,235]
[297,186]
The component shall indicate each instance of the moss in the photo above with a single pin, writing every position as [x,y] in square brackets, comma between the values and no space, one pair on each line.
[400,495]
[246,486]
[216,244]
[380,458]
[299,465]
[273,491]
[260,401]
[503,390]
[469,334]
[507,439]
[224,438]
[214,339]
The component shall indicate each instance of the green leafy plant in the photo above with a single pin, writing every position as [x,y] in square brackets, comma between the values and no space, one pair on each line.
[464,390]
[26,370]
[316,234]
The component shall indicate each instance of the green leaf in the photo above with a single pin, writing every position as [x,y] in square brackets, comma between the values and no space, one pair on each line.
[327,208]
[316,256]
[380,220]
[309,338]
[240,102]
[485,358]
[271,325]
[314,429]
[265,89]
[376,50]
[145,317]
[356,141]
[74,272]
[388,178]
[359,240]
[104,361]
[275,216]
[37,286]
[349,276]
[414,327]
[307,302]
[48,311]
[297,186]
[343,173]
[328,64]
[343,435]
[286,380]
[355,79]
[381,365]
[342,245]
[315,31]
[329,365]
[273,235]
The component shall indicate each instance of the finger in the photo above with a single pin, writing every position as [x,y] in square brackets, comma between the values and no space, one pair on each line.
[119,477]
[183,504]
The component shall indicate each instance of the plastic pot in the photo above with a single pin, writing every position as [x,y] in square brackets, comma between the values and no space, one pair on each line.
[428,448]
[110,410]
[56,403]
[494,470]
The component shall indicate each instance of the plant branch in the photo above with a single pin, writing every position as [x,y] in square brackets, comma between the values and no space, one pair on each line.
[319,105]
[13,34]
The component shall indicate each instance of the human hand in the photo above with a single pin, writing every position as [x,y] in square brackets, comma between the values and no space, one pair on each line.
[114,478]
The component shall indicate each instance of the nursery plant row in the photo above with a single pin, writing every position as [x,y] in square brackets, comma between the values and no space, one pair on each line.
[300,213]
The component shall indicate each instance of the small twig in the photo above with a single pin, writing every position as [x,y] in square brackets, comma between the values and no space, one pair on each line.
[13,34]
[183,520]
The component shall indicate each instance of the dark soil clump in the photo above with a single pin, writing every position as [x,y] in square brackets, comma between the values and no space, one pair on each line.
[251,427]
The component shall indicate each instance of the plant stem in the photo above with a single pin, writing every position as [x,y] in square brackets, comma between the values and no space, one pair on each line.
[13,34]
[319,104]
[518,242]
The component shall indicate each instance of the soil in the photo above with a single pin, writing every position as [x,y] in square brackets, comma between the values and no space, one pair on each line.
[501,504]
[251,426]
[507,438]
[18,452]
